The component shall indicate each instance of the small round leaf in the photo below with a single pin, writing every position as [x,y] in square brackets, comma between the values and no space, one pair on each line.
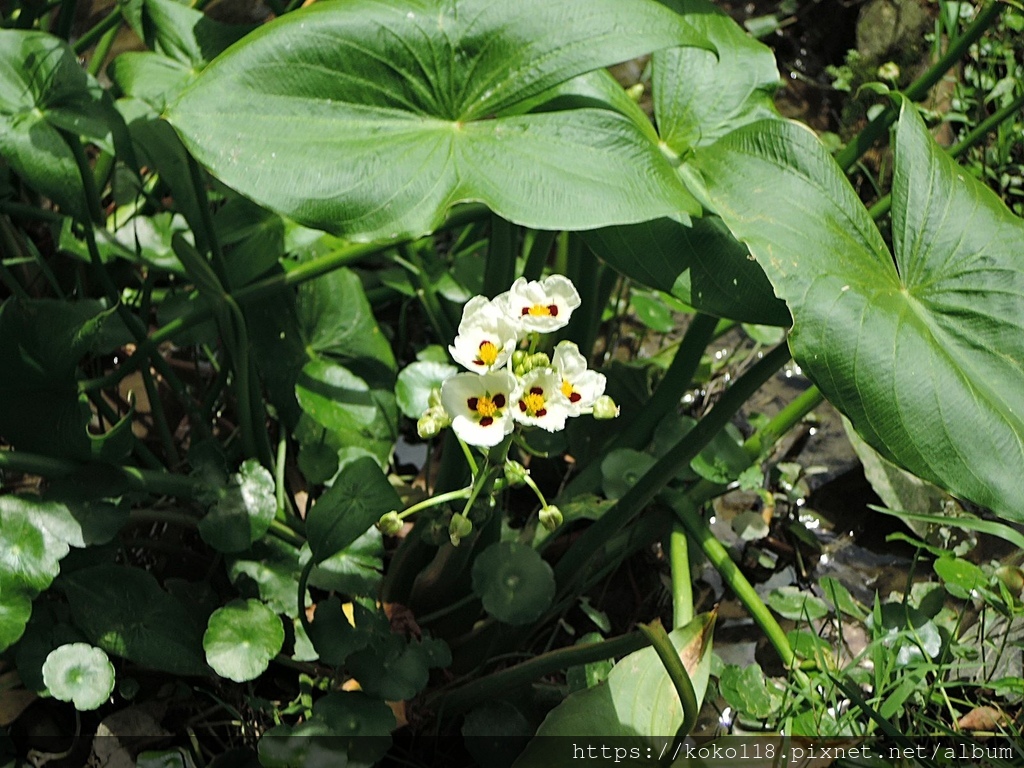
[243,513]
[514,582]
[241,638]
[79,673]
[412,390]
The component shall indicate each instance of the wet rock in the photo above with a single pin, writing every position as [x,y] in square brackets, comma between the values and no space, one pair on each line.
[891,30]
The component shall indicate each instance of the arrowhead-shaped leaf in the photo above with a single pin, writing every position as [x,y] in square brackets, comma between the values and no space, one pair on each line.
[924,353]
[698,96]
[359,496]
[397,102]
[44,91]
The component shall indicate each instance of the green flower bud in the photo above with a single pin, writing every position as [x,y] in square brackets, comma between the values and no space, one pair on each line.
[434,398]
[605,408]
[390,524]
[459,528]
[635,92]
[551,517]
[433,420]
[515,473]
[889,71]
[538,360]
[518,358]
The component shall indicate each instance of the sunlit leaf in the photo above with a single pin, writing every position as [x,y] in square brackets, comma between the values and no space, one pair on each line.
[397,100]
[241,638]
[925,353]
[79,673]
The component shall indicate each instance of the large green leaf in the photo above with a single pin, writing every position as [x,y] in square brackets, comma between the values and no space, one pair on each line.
[44,91]
[637,705]
[396,101]
[702,264]
[924,355]
[125,612]
[359,496]
[182,42]
[698,96]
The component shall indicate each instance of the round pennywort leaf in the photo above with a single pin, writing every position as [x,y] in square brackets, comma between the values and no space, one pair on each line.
[79,673]
[514,583]
[241,638]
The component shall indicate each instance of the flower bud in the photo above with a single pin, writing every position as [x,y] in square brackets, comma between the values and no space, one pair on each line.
[515,473]
[635,92]
[551,517]
[518,358]
[459,528]
[889,71]
[538,360]
[605,408]
[390,524]
[434,398]
[433,420]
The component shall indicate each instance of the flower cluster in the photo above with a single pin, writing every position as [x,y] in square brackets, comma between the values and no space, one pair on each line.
[508,385]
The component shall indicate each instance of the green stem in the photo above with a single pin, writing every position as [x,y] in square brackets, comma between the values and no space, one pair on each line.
[468,453]
[132,323]
[578,560]
[303,581]
[733,576]
[433,501]
[86,41]
[443,328]
[156,408]
[500,268]
[682,587]
[207,240]
[917,90]
[494,685]
[758,443]
[93,204]
[659,640]
[105,410]
[149,481]
[240,357]
[20,210]
[99,56]
[637,433]
[279,467]
[540,249]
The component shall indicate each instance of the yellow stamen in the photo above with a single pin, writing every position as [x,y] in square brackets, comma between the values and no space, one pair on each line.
[488,353]
[486,407]
[533,402]
[567,389]
[540,310]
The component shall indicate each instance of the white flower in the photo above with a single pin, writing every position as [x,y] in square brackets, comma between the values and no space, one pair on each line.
[580,386]
[540,401]
[543,306]
[486,337]
[480,406]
